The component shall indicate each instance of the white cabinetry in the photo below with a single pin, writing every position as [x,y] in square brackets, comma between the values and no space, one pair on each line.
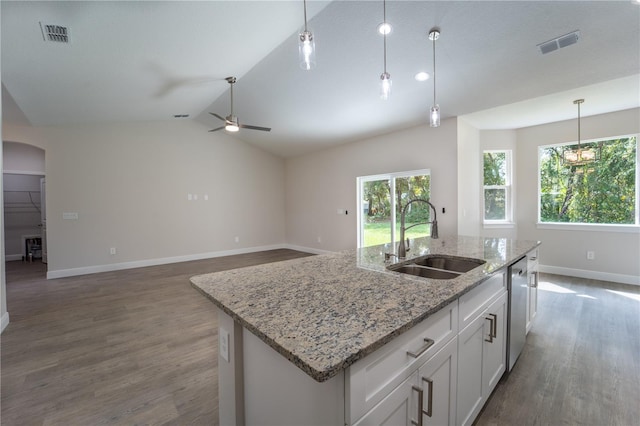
[426,397]
[481,349]
[532,279]
[372,381]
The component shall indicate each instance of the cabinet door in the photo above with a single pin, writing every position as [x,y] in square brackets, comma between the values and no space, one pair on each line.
[398,408]
[494,344]
[438,380]
[470,360]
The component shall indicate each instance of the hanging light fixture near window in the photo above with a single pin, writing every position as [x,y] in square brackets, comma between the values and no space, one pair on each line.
[434,116]
[580,156]
[306,45]
[385,78]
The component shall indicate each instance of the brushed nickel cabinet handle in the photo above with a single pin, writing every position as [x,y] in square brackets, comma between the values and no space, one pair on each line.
[490,339]
[495,325]
[429,411]
[534,276]
[428,343]
[420,405]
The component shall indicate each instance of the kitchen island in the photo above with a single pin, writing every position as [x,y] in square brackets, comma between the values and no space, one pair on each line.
[324,314]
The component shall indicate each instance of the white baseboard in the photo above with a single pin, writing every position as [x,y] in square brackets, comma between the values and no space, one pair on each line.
[62,273]
[307,249]
[12,257]
[4,322]
[595,275]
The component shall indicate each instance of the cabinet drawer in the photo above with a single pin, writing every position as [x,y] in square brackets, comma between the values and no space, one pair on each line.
[372,378]
[473,303]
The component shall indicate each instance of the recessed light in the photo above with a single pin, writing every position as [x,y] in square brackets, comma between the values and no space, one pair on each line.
[422,76]
[384,28]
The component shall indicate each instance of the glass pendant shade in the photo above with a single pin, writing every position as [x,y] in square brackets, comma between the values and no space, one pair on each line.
[434,117]
[307,50]
[385,85]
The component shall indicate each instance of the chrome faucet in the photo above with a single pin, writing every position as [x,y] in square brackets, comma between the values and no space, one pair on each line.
[402,249]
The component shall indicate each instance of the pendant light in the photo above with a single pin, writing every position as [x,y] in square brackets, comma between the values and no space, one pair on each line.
[385,78]
[580,156]
[306,45]
[434,116]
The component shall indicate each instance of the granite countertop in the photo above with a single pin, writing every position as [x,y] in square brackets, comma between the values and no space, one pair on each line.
[325,312]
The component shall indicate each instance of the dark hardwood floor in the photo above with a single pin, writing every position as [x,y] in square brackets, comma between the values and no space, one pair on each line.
[139,347]
[125,347]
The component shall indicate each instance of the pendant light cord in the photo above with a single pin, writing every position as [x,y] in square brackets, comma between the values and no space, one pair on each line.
[305,15]
[384,33]
[434,70]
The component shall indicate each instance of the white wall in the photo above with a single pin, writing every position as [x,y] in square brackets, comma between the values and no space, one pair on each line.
[562,251]
[320,183]
[129,182]
[4,315]
[469,207]
[23,159]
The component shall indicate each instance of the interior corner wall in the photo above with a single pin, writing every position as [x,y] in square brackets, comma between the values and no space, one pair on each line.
[129,185]
[469,187]
[319,184]
[564,251]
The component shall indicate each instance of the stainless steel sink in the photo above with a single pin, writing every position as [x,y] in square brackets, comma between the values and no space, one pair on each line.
[421,271]
[449,263]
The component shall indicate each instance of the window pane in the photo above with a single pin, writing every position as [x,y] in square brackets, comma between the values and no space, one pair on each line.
[411,188]
[376,212]
[495,204]
[599,192]
[495,168]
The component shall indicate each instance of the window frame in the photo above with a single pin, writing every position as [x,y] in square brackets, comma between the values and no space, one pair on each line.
[508,187]
[582,226]
[392,189]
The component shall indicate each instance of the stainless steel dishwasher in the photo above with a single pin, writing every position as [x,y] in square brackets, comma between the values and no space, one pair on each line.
[517,321]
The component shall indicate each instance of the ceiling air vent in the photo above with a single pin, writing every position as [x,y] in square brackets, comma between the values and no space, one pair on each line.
[56,33]
[559,42]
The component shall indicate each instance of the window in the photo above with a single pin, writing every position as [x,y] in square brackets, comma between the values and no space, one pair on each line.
[379,212]
[601,192]
[497,186]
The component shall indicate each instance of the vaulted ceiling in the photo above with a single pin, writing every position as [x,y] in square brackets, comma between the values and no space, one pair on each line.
[147,60]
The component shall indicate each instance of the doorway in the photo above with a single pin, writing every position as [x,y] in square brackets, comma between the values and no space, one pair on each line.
[24,203]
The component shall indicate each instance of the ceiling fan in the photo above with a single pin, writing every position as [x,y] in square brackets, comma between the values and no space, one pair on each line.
[231,123]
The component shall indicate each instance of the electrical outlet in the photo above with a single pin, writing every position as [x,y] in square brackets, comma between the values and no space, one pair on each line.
[112,250]
[224,343]
[237,239]
[591,255]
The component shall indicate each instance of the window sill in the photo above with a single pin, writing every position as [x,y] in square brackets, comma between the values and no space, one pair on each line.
[498,225]
[634,229]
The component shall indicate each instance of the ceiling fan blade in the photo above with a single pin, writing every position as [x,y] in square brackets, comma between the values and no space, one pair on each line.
[246,126]
[217,116]
[215,130]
